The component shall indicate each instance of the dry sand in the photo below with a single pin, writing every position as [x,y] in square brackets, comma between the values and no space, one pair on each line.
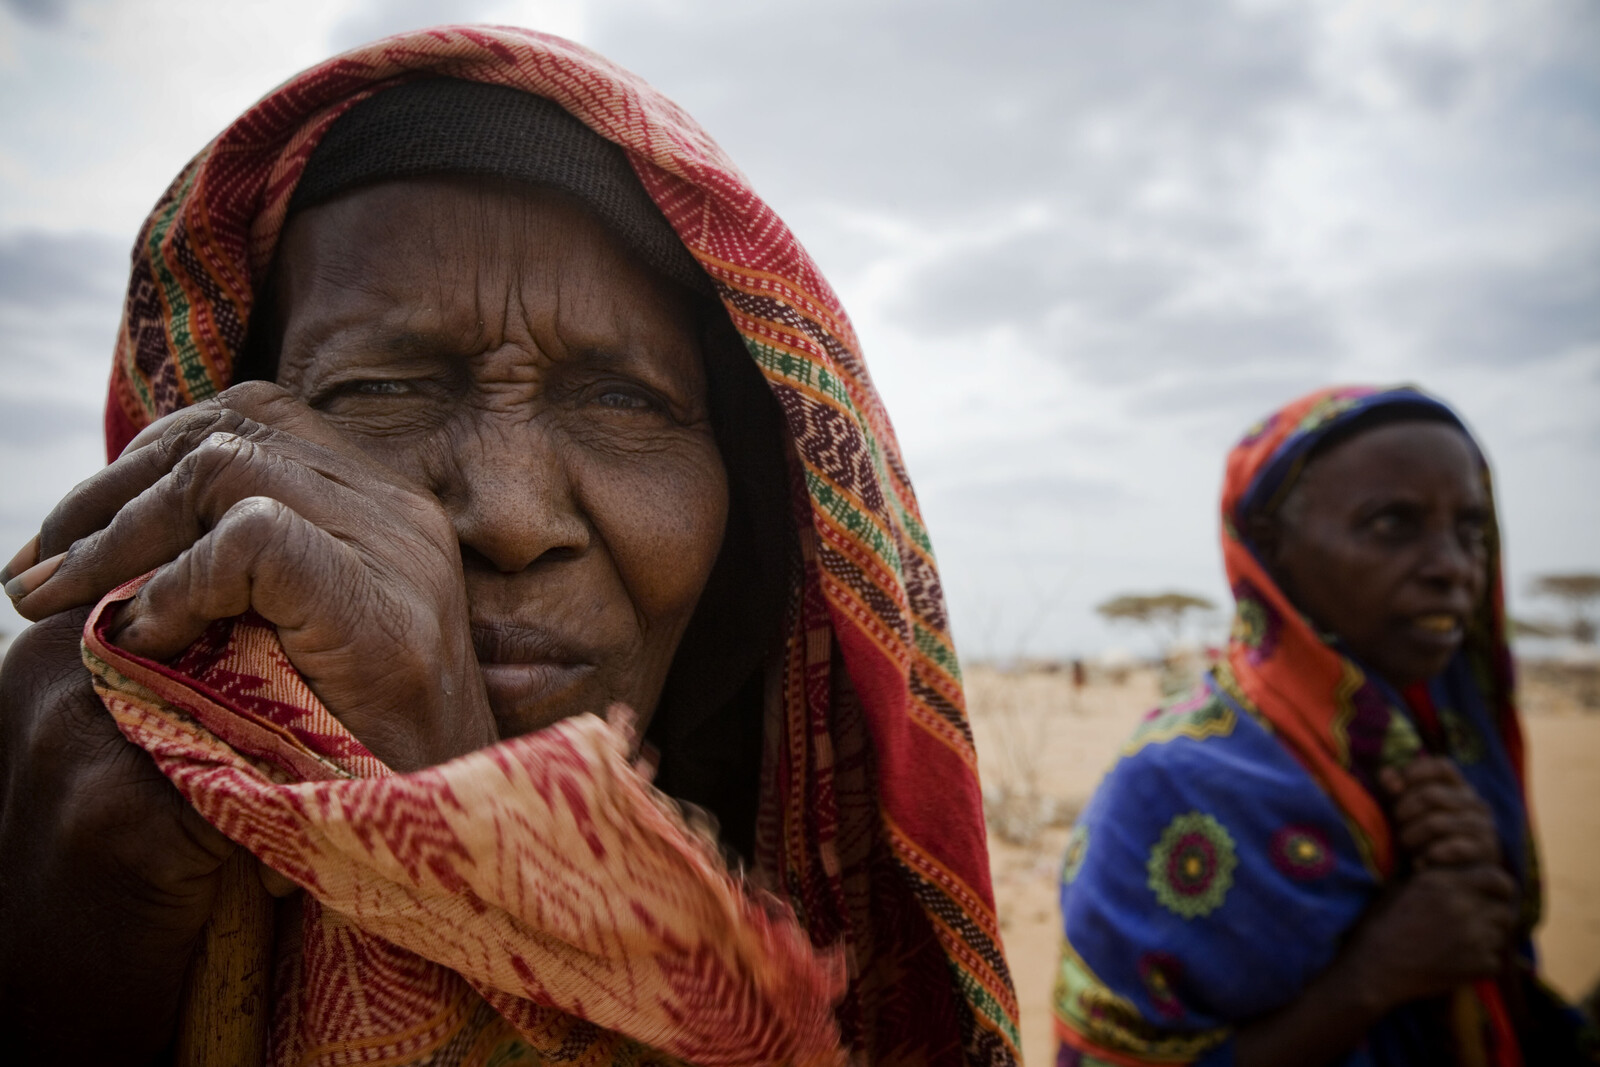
[1034,724]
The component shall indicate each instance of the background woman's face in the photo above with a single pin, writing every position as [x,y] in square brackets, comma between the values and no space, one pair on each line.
[498,346]
[1384,542]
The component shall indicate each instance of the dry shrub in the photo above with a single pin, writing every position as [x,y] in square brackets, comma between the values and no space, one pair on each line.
[1014,741]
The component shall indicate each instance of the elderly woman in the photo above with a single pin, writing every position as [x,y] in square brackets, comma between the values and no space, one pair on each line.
[470,418]
[1324,856]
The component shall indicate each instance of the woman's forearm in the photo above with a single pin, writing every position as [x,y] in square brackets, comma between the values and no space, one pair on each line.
[1322,1025]
[1438,929]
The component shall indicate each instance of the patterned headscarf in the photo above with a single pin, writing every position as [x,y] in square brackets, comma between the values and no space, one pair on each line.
[870,825]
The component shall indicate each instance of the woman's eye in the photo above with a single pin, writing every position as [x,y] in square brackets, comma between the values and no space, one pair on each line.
[1391,524]
[625,399]
[378,387]
[348,395]
[1474,532]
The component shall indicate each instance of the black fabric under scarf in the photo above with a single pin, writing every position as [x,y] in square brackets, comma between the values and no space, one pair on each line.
[437,126]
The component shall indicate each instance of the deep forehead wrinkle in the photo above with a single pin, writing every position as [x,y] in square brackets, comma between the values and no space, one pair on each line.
[409,346]
[474,269]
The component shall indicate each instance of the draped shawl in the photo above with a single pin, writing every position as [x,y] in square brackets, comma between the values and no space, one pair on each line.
[870,828]
[1241,833]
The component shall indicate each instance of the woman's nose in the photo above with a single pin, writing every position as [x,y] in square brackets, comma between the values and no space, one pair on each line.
[514,502]
[1449,562]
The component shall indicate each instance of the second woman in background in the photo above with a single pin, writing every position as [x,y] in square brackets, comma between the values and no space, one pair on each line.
[1324,856]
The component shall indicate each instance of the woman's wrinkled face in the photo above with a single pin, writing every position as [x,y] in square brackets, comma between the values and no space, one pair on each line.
[1384,543]
[497,345]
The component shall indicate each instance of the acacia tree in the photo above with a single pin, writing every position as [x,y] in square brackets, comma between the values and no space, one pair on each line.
[1166,611]
[1535,628]
[1579,592]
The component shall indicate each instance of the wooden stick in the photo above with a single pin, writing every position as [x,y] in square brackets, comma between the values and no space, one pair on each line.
[227,1004]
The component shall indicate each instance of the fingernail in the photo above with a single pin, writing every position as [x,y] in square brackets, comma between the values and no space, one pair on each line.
[27,557]
[33,577]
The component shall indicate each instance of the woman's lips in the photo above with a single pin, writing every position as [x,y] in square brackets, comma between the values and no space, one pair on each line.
[1438,627]
[517,691]
[525,669]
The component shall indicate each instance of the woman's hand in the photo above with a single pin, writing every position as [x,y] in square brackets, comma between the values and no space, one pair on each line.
[107,875]
[249,501]
[1440,928]
[1439,820]
[1433,932]
[1450,922]
[1453,919]
[252,501]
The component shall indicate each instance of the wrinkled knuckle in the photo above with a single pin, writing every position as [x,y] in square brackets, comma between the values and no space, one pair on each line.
[195,424]
[1423,822]
[252,524]
[219,456]
[264,402]
[80,554]
[217,440]
[54,531]
[1433,795]
[260,512]
[254,395]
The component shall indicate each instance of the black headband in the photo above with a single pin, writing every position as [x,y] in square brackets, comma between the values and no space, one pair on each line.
[449,126]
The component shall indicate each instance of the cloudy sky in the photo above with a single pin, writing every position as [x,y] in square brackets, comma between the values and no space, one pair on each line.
[1085,244]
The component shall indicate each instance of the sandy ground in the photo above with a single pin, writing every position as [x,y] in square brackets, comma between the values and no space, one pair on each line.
[1033,726]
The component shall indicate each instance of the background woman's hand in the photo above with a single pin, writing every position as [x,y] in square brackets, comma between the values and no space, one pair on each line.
[1440,928]
[252,501]
[1427,935]
[1453,919]
[1439,820]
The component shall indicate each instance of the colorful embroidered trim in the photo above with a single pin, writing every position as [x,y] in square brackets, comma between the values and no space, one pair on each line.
[1194,717]
[1096,1021]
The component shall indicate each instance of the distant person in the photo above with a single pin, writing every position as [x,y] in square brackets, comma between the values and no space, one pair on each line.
[551,415]
[1323,855]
